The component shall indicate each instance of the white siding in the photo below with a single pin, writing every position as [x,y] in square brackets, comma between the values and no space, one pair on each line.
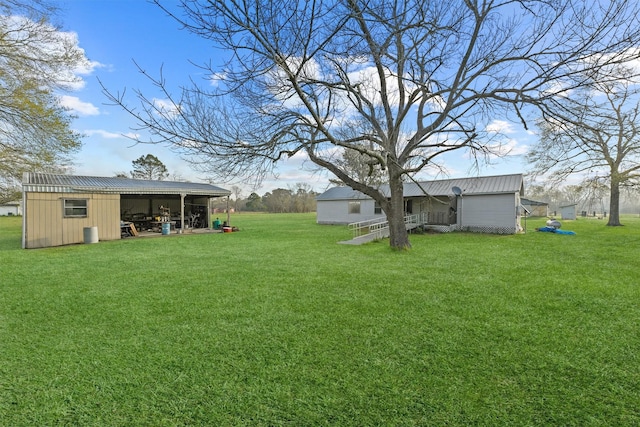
[10,210]
[492,213]
[337,211]
[568,212]
[488,205]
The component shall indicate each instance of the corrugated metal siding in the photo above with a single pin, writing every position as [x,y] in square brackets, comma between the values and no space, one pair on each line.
[476,185]
[42,220]
[45,224]
[107,216]
[489,213]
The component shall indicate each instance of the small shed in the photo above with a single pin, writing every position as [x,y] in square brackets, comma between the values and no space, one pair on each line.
[568,211]
[11,209]
[485,204]
[57,208]
[535,208]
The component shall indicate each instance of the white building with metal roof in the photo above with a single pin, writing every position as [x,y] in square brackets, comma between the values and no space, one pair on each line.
[484,204]
[57,208]
[11,208]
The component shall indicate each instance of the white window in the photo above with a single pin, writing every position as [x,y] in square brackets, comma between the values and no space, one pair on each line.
[377,209]
[75,208]
[354,207]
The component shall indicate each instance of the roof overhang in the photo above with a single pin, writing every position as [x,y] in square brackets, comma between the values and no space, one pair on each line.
[52,183]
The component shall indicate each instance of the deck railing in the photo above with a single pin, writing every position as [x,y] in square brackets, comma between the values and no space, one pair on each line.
[364,227]
[380,225]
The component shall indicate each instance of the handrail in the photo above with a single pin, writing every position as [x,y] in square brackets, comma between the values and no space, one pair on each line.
[358,228]
[376,225]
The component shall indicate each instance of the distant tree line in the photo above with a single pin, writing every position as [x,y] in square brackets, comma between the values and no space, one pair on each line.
[299,199]
[590,196]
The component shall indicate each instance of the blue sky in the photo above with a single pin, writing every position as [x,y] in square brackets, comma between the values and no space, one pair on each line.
[114,33]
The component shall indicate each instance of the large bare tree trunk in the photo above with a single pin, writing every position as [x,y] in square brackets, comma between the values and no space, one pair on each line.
[614,203]
[398,236]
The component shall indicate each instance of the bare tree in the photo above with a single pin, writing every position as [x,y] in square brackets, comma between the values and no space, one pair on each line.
[279,200]
[596,133]
[304,198]
[426,76]
[360,167]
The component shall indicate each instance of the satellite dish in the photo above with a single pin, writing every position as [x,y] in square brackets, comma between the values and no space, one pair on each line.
[456,190]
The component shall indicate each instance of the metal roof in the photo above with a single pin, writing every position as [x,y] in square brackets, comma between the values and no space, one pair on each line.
[54,183]
[533,202]
[499,184]
[342,193]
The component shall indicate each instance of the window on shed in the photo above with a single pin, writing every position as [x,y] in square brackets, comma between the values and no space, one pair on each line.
[354,207]
[75,208]
[377,209]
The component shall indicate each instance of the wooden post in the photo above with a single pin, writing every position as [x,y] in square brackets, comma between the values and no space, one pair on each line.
[209,213]
[182,196]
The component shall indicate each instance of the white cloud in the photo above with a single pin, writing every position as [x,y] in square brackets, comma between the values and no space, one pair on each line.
[500,126]
[364,76]
[502,149]
[620,64]
[79,107]
[369,82]
[86,68]
[558,88]
[83,67]
[59,59]
[109,135]
[278,83]
[165,107]
[513,148]
[216,78]
[504,146]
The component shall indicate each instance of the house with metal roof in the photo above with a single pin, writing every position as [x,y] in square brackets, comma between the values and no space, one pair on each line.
[57,209]
[11,208]
[483,204]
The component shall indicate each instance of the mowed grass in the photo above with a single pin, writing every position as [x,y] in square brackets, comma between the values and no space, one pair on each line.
[279,325]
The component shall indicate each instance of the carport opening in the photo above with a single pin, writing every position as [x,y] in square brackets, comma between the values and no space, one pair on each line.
[149,212]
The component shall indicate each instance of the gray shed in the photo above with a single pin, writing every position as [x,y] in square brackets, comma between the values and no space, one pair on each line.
[535,208]
[568,211]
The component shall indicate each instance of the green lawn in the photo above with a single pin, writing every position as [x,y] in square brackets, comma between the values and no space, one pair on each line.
[279,325]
